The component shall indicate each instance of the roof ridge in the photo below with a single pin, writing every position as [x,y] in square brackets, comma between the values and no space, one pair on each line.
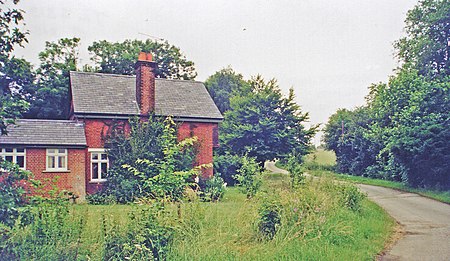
[48,120]
[179,80]
[134,76]
[106,74]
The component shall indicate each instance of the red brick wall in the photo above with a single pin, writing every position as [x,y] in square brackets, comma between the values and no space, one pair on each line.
[204,133]
[95,129]
[73,180]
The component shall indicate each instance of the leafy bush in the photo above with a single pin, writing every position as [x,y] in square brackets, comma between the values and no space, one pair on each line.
[47,232]
[145,239]
[351,196]
[214,189]
[149,162]
[249,177]
[294,167]
[227,166]
[12,191]
[269,219]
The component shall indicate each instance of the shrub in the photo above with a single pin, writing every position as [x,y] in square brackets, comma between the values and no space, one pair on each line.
[249,177]
[145,239]
[149,162]
[269,219]
[214,189]
[49,233]
[12,191]
[294,167]
[351,197]
[227,166]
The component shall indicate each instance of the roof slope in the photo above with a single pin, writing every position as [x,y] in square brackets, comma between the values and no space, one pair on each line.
[103,93]
[45,132]
[97,93]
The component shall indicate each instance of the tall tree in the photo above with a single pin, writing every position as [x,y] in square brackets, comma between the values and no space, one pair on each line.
[119,58]
[51,99]
[225,84]
[15,74]
[264,124]
[426,47]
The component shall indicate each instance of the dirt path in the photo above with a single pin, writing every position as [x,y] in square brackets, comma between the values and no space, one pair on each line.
[425,222]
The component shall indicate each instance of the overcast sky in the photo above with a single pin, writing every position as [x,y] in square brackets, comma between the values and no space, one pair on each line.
[330,51]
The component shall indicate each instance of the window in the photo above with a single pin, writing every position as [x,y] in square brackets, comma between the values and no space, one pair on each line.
[57,159]
[99,164]
[14,155]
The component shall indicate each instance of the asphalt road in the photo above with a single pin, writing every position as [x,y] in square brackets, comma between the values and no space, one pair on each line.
[425,222]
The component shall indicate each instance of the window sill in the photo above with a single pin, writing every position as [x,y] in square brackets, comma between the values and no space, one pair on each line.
[56,171]
[96,181]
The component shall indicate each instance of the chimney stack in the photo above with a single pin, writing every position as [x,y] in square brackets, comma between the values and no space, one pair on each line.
[145,83]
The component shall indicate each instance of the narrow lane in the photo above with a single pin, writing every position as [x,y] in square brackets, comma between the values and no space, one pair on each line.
[426,224]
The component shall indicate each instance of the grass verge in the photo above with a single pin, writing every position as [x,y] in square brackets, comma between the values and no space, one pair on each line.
[442,196]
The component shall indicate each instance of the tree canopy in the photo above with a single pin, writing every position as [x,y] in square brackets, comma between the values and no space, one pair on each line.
[51,94]
[15,74]
[119,58]
[403,131]
[225,84]
[426,44]
[264,124]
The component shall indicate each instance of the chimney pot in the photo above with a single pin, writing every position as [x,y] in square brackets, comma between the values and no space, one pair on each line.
[142,56]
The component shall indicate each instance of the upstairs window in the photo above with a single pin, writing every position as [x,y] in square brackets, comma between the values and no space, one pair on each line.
[57,159]
[99,165]
[14,155]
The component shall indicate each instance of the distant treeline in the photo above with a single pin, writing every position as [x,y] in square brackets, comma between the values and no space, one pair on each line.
[402,133]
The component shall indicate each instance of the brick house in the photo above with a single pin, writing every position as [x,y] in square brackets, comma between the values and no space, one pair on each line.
[73,149]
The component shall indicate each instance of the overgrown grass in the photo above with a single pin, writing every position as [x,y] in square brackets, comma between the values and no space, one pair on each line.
[319,221]
[319,229]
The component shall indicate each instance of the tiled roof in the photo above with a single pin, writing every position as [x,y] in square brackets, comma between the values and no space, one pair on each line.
[184,99]
[94,93]
[103,93]
[45,132]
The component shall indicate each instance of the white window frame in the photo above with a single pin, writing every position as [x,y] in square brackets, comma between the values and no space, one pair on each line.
[99,161]
[14,154]
[56,155]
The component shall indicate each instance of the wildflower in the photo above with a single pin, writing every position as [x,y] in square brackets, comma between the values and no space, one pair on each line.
[197,179]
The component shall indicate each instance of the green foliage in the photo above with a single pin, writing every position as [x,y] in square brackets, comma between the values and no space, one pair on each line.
[402,133]
[145,239]
[147,163]
[264,124]
[10,32]
[214,189]
[226,166]
[269,219]
[15,74]
[51,96]
[425,46]
[119,58]
[249,177]
[350,196]
[46,232]
[12,192]
[225,84]
[295,169]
